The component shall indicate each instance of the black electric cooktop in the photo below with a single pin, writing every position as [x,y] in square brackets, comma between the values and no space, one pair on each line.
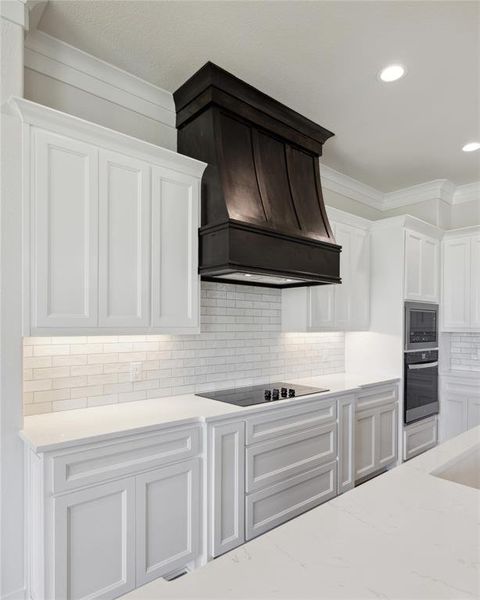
[260,394]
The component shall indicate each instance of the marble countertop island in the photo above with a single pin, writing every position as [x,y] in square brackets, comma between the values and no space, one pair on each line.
[407,534]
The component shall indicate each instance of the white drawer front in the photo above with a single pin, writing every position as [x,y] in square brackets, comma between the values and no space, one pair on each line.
[374,396]
[281,458]
[419,437]
[275,505]
[104,462]
[289,420]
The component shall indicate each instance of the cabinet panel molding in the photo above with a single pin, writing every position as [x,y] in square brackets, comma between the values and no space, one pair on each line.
[94,542]
[167,520]
[65,232]
[124,244]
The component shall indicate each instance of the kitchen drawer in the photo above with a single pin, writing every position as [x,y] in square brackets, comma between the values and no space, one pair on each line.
[288,420]
[370,397]
[270,507]
[106,461]
[419,437]
[281,458]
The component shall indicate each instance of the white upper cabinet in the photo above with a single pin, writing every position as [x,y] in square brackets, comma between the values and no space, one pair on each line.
[461,281]
[343,307]
[111,227]
[421,267]
[124,232]
[64,209]
[175,222]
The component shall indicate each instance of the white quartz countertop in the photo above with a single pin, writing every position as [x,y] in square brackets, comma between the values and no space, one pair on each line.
[74,427]
[404,535]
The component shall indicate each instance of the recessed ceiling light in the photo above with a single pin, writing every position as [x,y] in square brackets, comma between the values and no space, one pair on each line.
[246,275]
[470,147]
[392,73]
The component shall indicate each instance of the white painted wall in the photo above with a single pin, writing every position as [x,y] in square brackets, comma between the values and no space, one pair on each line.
[465,214]
[11,450]
[72,100]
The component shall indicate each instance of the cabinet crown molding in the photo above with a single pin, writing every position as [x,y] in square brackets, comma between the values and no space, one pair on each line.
[55,120]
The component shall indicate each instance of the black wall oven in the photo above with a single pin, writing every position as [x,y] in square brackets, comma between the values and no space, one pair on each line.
[421,385]
[421,325]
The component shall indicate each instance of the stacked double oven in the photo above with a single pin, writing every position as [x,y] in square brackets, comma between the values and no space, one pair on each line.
[420,362]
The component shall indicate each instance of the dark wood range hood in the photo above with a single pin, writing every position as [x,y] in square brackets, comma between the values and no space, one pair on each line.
[263,215]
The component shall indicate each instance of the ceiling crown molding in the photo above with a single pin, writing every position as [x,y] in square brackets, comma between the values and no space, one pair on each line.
[14,11]
[438,189]
[58,60]
[467,193]
[351,188]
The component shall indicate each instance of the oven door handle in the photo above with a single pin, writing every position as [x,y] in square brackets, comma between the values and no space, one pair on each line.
[424,365]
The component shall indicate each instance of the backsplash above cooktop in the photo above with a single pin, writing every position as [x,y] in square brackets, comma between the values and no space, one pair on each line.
[241,344]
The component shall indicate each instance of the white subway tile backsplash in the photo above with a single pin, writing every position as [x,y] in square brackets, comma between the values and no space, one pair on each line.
[241,344]
[465,351]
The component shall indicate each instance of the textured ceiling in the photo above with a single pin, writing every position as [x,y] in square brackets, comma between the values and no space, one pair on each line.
[322,59]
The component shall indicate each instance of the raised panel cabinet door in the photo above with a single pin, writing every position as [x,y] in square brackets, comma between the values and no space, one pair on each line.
[346,443]
[456,284]
[321,304]
[168,519]
[175,279]
[343,292]
[475,283]
[226,494]
[359,301]
[453,415]
[366,423]
[387,432]
[413,267]
[473,412]
[65,232]
[429,274]
[124,241]
[94,538]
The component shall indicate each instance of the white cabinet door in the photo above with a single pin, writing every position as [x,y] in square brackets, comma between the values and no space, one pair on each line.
[366,424]
[321,307]
[343,292]
[65,232]
[226,494]
[345,306]
[168,519]
[124,241]
[94,538]
[175,279]
[421,267]
[430,270]
[456,284]
[473,411]
[453,415]
[475,283]
[413,268]
[359,280]
[387,432]
[271,506]
[346,443]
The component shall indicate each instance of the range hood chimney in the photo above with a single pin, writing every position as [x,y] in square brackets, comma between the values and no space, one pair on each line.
[263,216]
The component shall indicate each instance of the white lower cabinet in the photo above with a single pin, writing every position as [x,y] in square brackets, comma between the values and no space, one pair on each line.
[459,405]
[226,486]
[167,519]
[419,437]
[276,504]
[103,539]
[346,443]
[94,542]
[376,439]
